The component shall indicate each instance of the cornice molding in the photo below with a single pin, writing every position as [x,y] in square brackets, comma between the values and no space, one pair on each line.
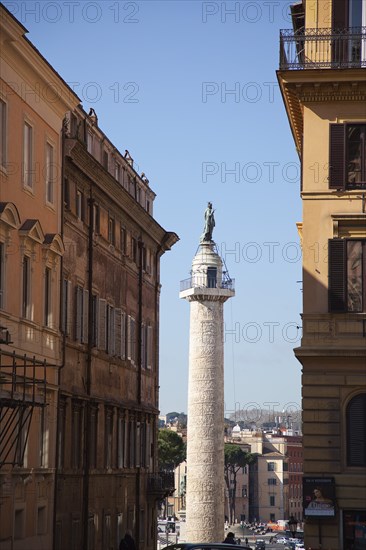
[105,183]
[207,298]
[319,86]
[330,96]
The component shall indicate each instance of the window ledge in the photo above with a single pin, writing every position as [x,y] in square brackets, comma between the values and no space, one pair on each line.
[50,205]
[29,322]
[349,225]
[28,190]
[349,216]
[51,330]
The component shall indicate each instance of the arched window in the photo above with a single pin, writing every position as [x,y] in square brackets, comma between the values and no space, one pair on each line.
[356,431]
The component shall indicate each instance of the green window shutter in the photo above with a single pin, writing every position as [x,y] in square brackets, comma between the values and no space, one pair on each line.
[337,177]
[337,256]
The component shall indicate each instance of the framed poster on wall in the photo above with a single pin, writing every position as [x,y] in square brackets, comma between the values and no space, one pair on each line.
[319,496]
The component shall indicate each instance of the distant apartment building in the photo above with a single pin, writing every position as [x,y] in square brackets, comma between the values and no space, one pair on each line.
[295,473]
[238,488]
[322,78]
[31,250]
[269,487]
[177,502]
[266,491]
[239,491]
[268,476]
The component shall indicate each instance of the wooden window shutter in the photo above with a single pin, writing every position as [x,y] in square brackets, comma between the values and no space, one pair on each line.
[337,256]
[129,337]
[148,444]
[138,445]
[132,442]
[149,346]
[123,335]
[69,309]
[102,336]
[118,332]
[133,341]
[339,14]
[126,443]
[356,429]
[143,442]
[143,346]
[111,330]
[85,319]
[78,312]
[95,321]
[337,177]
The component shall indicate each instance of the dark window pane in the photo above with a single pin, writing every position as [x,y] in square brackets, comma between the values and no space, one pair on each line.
[355,13]
[211,277]
[356,155]
[354,276]
[354,174]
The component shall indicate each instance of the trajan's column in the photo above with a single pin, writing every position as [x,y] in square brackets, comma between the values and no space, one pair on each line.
[207,290]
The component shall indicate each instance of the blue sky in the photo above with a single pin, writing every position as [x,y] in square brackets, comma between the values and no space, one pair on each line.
[190,89]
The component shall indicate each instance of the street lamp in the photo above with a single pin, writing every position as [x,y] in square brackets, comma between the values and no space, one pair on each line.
[292,523]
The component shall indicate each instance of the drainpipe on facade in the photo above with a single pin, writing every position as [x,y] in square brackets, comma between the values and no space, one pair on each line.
[139,382]
[139,322]
[63,343]
[86,453]
[158,254]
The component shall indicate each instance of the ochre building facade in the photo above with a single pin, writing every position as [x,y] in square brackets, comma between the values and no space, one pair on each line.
[323,82]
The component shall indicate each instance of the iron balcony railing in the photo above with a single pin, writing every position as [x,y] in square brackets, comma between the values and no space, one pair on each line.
[205,281]
[323,48]
[161,484]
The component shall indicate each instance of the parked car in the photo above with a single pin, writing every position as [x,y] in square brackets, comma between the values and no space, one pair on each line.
[204,546]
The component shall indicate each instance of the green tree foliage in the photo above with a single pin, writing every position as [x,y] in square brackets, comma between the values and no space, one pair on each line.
[235,459]
[171,449]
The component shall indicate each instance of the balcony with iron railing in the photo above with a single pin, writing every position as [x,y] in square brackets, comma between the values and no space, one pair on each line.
[161,485]
[323,48]
[204,281]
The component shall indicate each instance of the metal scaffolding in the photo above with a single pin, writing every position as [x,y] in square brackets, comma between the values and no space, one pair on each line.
[23,384]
